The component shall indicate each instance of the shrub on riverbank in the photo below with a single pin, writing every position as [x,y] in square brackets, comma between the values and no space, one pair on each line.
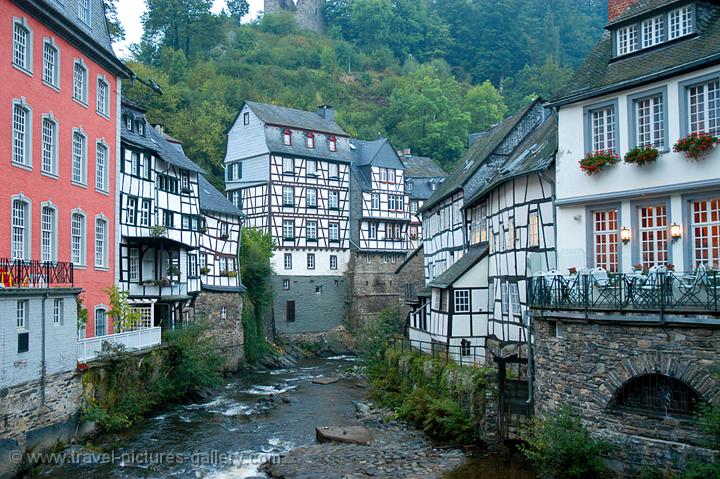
[562,448]
[375,335]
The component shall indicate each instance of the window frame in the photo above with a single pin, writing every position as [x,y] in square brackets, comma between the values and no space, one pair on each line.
[590,211]
[53,233]
[104,310]
[82,239]
[87,18]
[246,118]
[632,104]
[27,134]
[461,301]
[84,87]
[26,228]
[287,137]
[102,224]
[49,42]
[285,170]
[333,262]
[287,224]
[100,145]
[333,226]
[287,261]
[633,42]
[689,227]
[690,8]
[102,86]
[58,312]
[83,158]
[588,112]
[314,229]
[333,200]
[684,93]
[50,119]
[27,66]
[314,203]
[311,261]
[310,141]
[336,168]
[534,229]
[22,324]
[288,196]
[133,258]
[332,144]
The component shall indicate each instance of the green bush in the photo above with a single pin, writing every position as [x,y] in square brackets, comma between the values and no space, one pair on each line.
[561,448]
[375,334]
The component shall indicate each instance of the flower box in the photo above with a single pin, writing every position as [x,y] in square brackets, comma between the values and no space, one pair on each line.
[696,145]
[642,155]
[595,162]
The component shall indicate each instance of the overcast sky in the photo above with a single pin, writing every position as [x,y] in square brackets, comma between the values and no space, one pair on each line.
[130,12]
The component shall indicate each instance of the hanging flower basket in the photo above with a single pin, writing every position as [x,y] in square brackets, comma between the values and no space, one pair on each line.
[696,145]
[642,155]
[594,163]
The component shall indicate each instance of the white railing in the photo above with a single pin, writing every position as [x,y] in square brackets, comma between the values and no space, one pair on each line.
[89,348]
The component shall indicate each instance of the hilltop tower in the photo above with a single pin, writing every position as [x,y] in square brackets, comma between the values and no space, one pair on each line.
[307,13]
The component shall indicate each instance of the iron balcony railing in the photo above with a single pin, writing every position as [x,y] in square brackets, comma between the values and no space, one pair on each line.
[666,291]
[35,274]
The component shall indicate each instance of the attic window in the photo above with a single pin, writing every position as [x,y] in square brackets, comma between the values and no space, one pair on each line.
[246,118]
[654,30]
[627,39]
[332,143]
[681,22]
[140,127]
[287,138]
[310,140]
[128,123]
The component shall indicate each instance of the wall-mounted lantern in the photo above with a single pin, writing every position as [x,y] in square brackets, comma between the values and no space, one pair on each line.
[625,234]
[675,231]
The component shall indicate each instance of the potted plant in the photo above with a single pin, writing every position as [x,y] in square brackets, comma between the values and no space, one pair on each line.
[173,270]
[158,231]
[642,155]
[597,161]
[696,145]
[232,274]
[639,268]
[572,271]
[204,270]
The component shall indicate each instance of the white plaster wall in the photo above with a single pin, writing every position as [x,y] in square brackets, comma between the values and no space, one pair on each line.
[299,265]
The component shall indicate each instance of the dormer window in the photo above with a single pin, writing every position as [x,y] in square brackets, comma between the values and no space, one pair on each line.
[140,127]
[332,143]
[652,31]
[287,138]
[128,123]
[627,40]
[655,30]
[681,22]
[310,141]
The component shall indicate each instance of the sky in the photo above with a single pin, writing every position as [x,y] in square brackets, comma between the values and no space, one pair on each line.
[130,11]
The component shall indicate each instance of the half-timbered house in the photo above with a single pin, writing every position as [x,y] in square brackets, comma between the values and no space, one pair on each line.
[422,177]
[159,220]
[289,171]
[507,227]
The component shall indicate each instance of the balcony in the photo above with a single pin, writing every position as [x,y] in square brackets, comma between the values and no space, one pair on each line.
[657,290]
[35,274]
[91,348]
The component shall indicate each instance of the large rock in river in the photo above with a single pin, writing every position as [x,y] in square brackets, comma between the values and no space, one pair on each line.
[325,380]
[346,434]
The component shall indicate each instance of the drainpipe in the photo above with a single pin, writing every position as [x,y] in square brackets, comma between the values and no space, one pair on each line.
[530,358]
[43,364]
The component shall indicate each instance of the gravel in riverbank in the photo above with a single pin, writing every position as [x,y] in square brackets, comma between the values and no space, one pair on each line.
[397,451]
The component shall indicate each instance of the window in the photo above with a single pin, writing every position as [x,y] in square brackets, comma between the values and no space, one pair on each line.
[652,31]
[333,262]
[334,231]
[20,230]
[657,395]
[318,289]
[391,202]
[491,297]
[224,229]
[606,239]
[58,307]
[311,261]
[134,264]
[288,165]
[288,196]
[48,235]
[77,239]
[22,132]
[100,322]
[705,231]
[704,107]
[288,261]
[22,46]
[103,97]
[311,198]
[286,284]
[140,127]
[465,348]
[312,230]
[400,203]
[185,180]
[80,87]
[627,39]
[653,235]
[168,219]
[101,243]
[334,170]
[375,200]
[368,258]
[246,118]
[510,244]
[193,265]
[84,11]
[650,121]
[234,171]
[223,312]
[373,228]
[310,140]
[288,229]
[49,146]
[168,184]
[51,64]
[515,299]
[311,167]
[383,175]
[332,143]
[681,22]
[504,298]
[21,313]
[287,137]
[79,158]
[398,231]
[534,230]
[101,170]
[462,300]
[333,200]
[391,176]
[290,311]
[185,222]
[145,213]
[478,224]
[602,129]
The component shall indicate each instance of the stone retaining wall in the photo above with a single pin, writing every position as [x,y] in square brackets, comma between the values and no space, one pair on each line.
[227,331]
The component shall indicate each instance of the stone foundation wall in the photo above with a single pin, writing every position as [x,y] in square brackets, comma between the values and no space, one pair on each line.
[228,332]
[591,360]
[373,286]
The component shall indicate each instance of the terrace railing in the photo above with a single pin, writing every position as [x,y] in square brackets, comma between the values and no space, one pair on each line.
[35,274]
[663,291]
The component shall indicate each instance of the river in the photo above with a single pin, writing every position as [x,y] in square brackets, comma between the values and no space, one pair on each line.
[228,436]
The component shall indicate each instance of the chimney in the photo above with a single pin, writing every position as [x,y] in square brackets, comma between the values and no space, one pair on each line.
[617,7]
[327,112]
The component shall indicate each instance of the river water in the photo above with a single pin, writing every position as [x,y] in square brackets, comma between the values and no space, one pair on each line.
[231,434]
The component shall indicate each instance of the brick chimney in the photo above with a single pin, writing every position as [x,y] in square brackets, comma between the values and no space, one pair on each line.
[616,7]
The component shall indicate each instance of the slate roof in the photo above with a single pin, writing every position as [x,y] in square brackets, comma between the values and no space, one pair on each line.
[460,267]
[290,117]
[536,153]
[601,74]
[476,156]
[366,154]
[225,289]
[422,167]
[640,8]
[212,200]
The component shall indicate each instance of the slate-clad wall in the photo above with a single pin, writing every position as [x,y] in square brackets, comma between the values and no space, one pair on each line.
[593,360]
[314,312]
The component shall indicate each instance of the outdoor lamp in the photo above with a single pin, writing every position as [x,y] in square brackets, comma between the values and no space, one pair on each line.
[675,231]
[625,234]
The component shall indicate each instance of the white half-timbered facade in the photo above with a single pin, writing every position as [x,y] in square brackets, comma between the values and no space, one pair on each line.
[289,171]
[508,233]
[159,218]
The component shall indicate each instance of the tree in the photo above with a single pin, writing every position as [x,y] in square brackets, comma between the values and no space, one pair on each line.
[544,81]
[115,28]
[238,8]
[173,22]
[125,317]
[486,106]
